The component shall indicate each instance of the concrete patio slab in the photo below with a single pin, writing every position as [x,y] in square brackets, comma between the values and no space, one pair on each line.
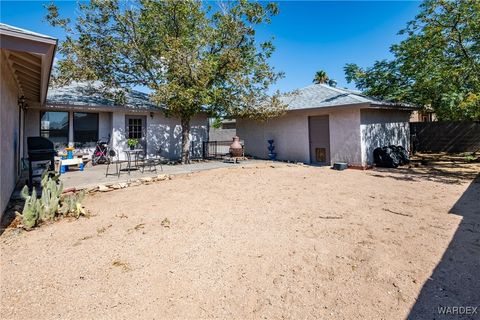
[93,176]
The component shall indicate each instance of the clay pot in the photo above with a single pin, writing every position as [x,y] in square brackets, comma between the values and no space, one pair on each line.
[236,147]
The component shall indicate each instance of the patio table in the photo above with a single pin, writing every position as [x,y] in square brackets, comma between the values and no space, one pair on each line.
[70,162]
[135,153]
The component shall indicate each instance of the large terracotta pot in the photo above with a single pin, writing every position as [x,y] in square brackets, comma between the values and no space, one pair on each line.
[236,147]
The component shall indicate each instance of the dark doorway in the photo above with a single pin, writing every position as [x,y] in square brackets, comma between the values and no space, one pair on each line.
[319,138]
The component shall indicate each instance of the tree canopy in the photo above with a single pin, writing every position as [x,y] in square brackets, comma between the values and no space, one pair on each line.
[193,56]
[437,66]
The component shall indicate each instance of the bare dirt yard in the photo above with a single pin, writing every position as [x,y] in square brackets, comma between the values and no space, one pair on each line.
[257,241]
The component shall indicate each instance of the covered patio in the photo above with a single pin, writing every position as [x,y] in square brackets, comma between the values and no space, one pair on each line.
[26,59]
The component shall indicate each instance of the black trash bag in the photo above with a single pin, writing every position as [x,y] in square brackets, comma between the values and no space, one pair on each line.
[391,156]
[402,154]
[386,157]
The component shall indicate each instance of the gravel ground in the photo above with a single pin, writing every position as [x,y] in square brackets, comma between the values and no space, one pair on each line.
[256,241]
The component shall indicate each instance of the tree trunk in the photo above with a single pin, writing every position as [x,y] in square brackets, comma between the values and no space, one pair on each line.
[185,141]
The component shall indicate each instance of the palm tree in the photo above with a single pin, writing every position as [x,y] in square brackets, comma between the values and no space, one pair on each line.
[320,77]
[332,83]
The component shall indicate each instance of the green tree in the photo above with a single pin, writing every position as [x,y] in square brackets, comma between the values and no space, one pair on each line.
[194,57]
[320,77]
[436,66]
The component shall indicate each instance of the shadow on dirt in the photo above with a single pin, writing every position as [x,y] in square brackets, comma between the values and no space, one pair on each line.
[449,173]
[455,282]
[9,214]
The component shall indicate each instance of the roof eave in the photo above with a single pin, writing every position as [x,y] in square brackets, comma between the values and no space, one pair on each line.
[19,41]
[95,107]
[332,107]
[397,106]
[28,36]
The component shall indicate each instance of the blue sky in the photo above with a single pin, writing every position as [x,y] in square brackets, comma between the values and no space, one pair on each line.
[308,35]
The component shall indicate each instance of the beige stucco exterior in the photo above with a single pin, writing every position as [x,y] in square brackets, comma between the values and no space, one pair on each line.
[25,63]
[161,132]
[352,130]
[10,132]
[383,127]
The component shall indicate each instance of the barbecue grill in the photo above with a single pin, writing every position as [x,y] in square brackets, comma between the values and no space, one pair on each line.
[39,149]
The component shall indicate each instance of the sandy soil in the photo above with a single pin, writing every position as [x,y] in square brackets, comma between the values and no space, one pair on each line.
[257,241]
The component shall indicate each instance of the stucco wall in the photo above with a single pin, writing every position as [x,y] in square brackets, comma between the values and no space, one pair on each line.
[291,135]
[161,131]
[345,143]
[166,133]
[118,139]
[104,125]
[32,127]
[10,138]
[380,127]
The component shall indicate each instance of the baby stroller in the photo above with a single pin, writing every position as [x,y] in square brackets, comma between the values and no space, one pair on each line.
[100,155]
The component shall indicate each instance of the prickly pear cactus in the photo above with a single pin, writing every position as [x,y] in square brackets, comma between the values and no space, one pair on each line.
[30,213]
[51,194]
[72,204]
[48,205]
[49,175]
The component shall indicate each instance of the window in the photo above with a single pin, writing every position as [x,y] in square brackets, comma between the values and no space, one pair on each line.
[135,128]
[85,127]
[54,126]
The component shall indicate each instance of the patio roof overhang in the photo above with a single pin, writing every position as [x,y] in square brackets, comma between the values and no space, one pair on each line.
[95,108]
[30,57]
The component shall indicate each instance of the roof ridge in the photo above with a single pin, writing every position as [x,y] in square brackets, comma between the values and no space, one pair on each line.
[353,95]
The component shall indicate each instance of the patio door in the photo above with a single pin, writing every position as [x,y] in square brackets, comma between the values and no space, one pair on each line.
[136,129]
[319,132]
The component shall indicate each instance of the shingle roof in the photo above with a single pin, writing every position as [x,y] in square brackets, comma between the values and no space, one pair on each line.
[323,96]
[10,28]
[84,94]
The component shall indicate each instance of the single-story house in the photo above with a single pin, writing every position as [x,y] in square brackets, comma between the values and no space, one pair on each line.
[78,115]
[325,124]
[73,114]
[26,61]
